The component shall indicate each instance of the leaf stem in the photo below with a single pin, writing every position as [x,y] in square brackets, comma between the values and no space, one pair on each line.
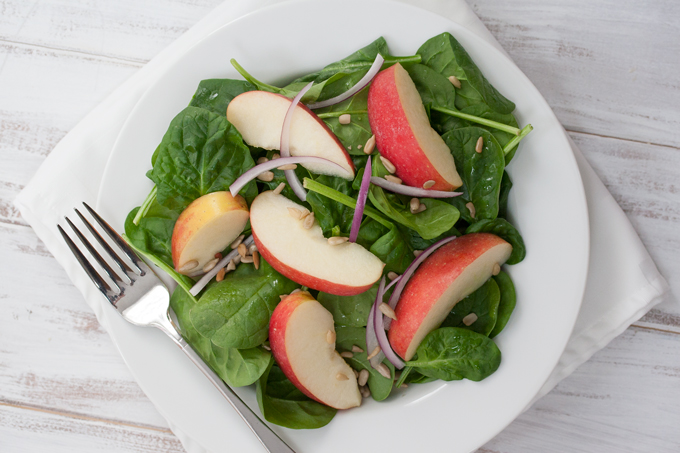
[515,141]
[144,208]
[405,60]
[337,114]
[252,79]
[179,278]
[478,120]
[404,374]
[340,197]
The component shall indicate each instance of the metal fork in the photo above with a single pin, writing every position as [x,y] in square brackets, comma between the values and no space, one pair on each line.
[142,299]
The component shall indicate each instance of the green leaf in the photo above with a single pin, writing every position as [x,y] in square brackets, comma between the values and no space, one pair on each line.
[506,185]
[330,213]
[507,303]
[346,337]
[216,94]
[445,55]
[235,312]
[349,310]
[154,231]
[200,153]
[481,172]
[434,89]
[283,404]
[438,218]
[354,135]
[483,303]
[451,353]
[236,367]
[504,229]
[393,250]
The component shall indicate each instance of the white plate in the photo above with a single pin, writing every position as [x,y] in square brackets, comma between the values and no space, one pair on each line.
[547,205]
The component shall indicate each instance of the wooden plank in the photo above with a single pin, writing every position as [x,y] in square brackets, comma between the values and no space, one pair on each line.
[53,353]
[605,67]
[127,29]
[30,430]
[623,399]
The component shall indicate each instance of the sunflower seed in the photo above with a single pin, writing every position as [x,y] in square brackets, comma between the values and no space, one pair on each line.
[363,377]
[345,118]
[308,222]
[455,81]
[256,259]
[414,205]
[374,353]
[471,208]
[287,167]
[393,179]
[242,250]
[365,392]
[389,166]
[262,160]
[428,184]
[479,145]
[382,369]
[280,188]
[387,311]
[295,213]
[188,266]
[341,377]
[267,347]
[210,264]
[220,274]
[276,156]
[392,275]
[470,319]
[496,269]
[420,209]
[330,337]
[417,253]
[346,354]
[266,176]
[357,349]
[247,259]
[370,145]
[237,241]
[231,266]
[337,240]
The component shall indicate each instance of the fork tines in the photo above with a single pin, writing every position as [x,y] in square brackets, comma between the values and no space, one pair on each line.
[126,270]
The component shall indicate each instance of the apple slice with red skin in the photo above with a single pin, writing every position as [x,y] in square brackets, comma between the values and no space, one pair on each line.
[302,338]
[207,226]
[451,273]
[403,133]
[258,116]
[305,255]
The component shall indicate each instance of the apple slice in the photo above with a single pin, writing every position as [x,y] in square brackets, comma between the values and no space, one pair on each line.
[302,338]
[403,133]
[258,116]
[304,254]
[207,226]
[451,273]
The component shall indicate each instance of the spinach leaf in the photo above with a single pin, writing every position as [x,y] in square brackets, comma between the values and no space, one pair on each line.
[330,213]
[235,312]
[451,353]
[393,250]
[200,153]
[216,94]
[434,89]
[283,404]
[481,172]
[483,303]
[369,232]
[346,337]
[444,54]
[349,310]
[154,231]
[507,304]
[438,218]
[355,134]
[504,229]
[410,376]
[506,185]
[236,367]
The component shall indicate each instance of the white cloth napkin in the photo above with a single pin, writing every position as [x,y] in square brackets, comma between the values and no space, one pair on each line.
[623,282]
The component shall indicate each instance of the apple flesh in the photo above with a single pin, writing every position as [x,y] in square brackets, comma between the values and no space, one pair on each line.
[451,273]
[299,338]
[304,255]
[207,226]
[403,133]
[258,116]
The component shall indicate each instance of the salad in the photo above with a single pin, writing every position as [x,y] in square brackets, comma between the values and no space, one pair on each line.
[342,236]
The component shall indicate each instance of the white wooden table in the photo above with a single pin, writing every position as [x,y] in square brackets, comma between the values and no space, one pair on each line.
[610,70]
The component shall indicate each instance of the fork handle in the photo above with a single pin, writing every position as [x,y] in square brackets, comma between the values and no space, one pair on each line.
[271,442]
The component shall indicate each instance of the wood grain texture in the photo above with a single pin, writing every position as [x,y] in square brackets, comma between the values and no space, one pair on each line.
[607,68]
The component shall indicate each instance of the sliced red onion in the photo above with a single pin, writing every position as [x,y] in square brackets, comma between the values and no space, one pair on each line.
[291,177]
[361,202]
[379,328]
[220,264]
[251,174]
[409,272]
[412,191]
[360,85]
